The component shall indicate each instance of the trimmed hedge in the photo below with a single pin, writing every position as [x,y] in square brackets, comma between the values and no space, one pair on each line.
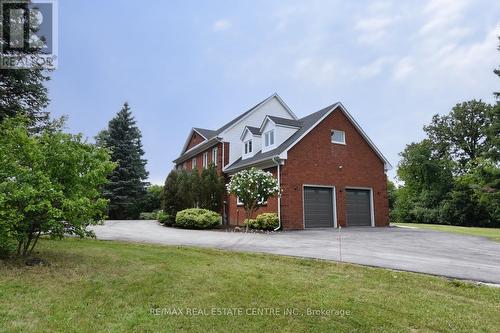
[197,218]
[265,221]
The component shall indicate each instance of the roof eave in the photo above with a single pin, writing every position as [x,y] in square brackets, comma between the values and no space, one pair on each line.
[196,149]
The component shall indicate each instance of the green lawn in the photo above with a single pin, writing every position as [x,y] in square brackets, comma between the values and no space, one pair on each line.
[96,286]
[493,233]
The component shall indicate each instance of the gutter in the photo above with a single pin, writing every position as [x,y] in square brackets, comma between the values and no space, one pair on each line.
[279,194]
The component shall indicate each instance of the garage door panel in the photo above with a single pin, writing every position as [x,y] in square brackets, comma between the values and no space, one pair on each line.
[358,208]
[318,207]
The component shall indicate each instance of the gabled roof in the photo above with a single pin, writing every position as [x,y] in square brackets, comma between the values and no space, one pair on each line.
[211,134]
[306,125]
[253,130]
[206,133]
[284,121]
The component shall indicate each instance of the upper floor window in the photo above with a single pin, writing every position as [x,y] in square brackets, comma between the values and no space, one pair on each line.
[248,147]
[205,159]
[269,138]
[338,136]
[214,155]
[193,163]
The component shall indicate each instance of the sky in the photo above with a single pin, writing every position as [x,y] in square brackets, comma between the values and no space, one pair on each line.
[184,64]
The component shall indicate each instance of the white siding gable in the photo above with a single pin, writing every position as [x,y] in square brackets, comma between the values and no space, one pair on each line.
[255,118]
[256,144]
[283,133]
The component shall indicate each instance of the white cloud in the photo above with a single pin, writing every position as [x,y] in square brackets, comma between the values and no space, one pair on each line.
[373,29]
[316,70]
[221,25]
[403,68]
[441,15]
[374,68]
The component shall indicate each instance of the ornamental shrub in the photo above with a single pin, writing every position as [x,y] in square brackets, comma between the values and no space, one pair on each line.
[265,221]
[197,218]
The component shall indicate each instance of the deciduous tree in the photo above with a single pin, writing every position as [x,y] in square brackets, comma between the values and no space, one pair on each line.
[50,184]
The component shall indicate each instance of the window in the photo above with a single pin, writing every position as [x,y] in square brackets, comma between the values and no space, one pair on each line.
[269,138]
[193,163]
[338,136]
[248,147]
[214,156]
[239,203]
[205,159]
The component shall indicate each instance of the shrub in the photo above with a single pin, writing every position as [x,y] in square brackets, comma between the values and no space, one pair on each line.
[164,218]
[7,245]
[265,221]
[251,224]
[197,218]
[148,216]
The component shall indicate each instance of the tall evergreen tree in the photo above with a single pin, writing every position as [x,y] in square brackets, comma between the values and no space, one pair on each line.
[497,72]
[127,187]
[23,91]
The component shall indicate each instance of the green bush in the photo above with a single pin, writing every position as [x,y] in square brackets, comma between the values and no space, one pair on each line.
[265,221]
[197,218]
[148,216]
[165,219]
[7,245]
[251,224]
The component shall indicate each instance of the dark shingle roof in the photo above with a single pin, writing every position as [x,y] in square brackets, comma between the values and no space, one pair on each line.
[229,124]
[254,130]
[285,121]
[205,132]
[305,124]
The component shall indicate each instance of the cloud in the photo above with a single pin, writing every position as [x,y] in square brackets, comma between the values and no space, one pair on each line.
[316,70]
[221,25]
[403,68]
[441,15]
[373,29]
[374,68]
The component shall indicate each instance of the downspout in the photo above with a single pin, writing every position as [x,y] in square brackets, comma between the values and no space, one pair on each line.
[279,194]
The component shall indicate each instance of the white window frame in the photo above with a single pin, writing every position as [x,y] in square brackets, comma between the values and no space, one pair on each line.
[267,138]
[343,136]
[215,153]
[248,147]
[239,203]
[194,163]
[205,159]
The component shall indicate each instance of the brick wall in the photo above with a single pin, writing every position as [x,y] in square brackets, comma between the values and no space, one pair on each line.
[195,139]
[316,161]
[236,214]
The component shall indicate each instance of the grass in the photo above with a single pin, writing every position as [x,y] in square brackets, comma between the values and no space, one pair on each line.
[492,233]
[95,286]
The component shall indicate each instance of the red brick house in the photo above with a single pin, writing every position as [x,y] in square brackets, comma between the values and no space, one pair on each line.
[330,173]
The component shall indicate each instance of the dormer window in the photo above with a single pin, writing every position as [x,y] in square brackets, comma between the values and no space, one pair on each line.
[269,138]
[248,147]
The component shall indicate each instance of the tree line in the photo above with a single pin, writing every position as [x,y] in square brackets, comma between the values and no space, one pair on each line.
[453,175]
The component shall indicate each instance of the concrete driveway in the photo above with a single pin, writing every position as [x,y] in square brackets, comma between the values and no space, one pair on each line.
[416,250]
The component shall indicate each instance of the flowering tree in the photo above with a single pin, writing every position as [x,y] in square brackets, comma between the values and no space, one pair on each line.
[253,187]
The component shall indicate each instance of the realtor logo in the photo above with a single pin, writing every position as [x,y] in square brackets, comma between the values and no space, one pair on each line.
[28,34]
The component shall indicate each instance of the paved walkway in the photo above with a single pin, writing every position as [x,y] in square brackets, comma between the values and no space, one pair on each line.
[417,250]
